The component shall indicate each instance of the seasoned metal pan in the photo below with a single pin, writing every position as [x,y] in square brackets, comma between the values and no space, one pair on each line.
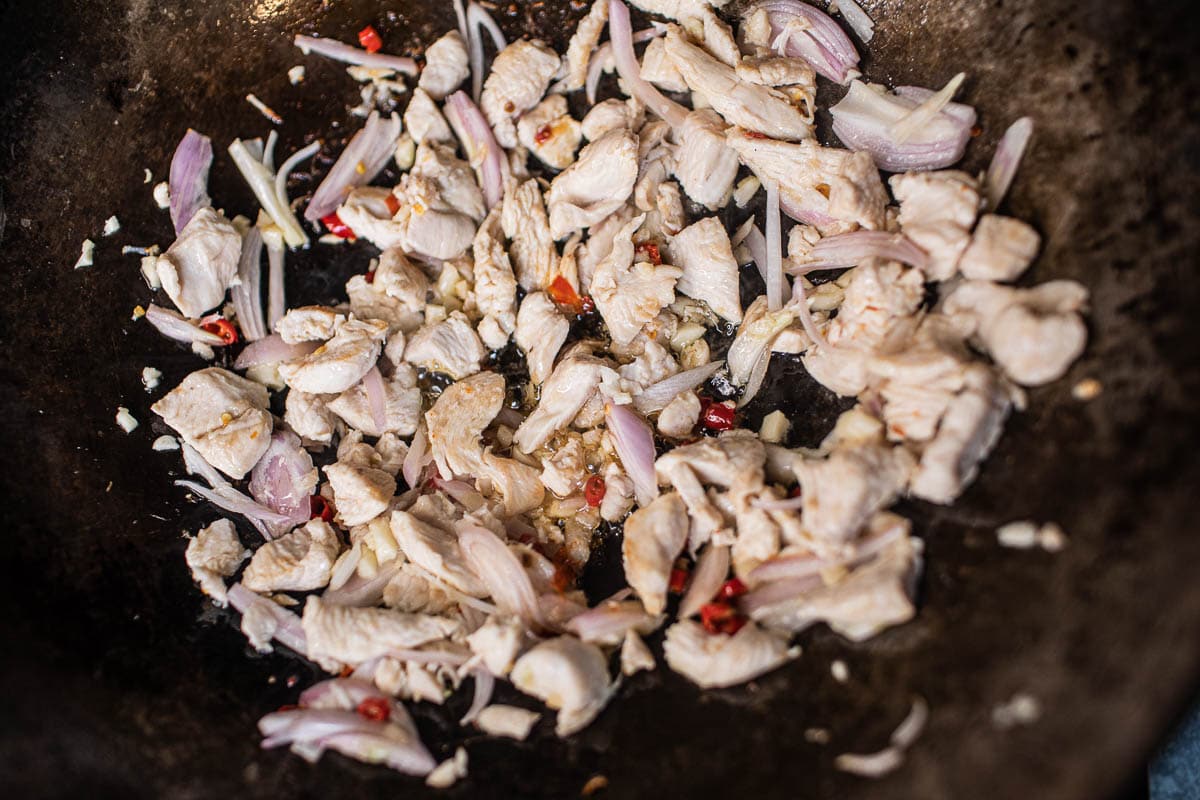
[117,681]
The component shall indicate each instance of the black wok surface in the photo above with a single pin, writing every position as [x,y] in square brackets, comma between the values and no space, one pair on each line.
[119,680]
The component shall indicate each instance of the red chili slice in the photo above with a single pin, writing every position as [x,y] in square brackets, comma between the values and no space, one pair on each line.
[716,416]
[721,617]
[223,328]
[335,225]
[731,588]
[593,490]
[562,292]
[652,253]
[320,508]
[393,204]
[374,708]
[369,38]
[543,134]
[678,580]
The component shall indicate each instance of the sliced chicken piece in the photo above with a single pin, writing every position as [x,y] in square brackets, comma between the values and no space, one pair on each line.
[710,272]
[676,9]
[451,346]
[618,494]
[599,244]
[201,263]
[828,187]
[338,635]
[629,295]
[613,114]
[871,598]
[564,393]
[1033,334]
[758,540]
[565,469]
[310,417]
[213,554]
[969,428]
[751,106]
[596,185]
[754,336]
[841,492]
[583,43]
[518,485]
[446,66]
[550,132]
[360,493]
[534,254]
[519,78]
[434,548]
[457,189]
[309,324]
[635,656]
[458,418]
[495,284]
[678,419]
[704,163]
[937,212]
[732,461]
[568,676]
[715,660]
[224,416]
[370,302]
[424,120]
[341,362]
[296,562]
[399,278]
[401,403]
[659,68]
[366,212]
[410,591]
[541,331]
[1000,250]
[709,30]
[654,538]
[655,363]
[498,642]
[778,71]
[430,226]
[511,722]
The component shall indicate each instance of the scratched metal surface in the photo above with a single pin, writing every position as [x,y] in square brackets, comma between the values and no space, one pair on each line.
[117,680]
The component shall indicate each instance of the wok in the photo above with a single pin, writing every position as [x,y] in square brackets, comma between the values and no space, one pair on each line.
[119,680]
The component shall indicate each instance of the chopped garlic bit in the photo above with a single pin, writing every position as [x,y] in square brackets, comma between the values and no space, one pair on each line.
[149,176]
[203,350]
[839,670]
[150,377]
[1025,535]
[111,225]
[162,194]
[165,443]
[296,74]
[775,427]
[329,238]
[149,268]
[816,735]
[406,151]
[1022,709]
[85,254]
[746,189]
[125,419]
[1087,389]
[447,773]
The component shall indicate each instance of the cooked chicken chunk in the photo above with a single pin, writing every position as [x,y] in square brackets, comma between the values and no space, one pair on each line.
[446,66]
[360,493]
[613,114]
[567,675]
[732,461]
[518,485]
[435,549]
[871,598]
[778,71]
[676,9]
[510,721]
[399,278]
[409,590]
[659,68]
[457,189]
[534,255]
[424,120]
[495,284]
[223,416]
[629,295]
[704,163]
[596,185]
[309,324]
[341,362]
[339,635]
[457,419]
[451,346]
[199,266]
[215,553]
[655,363]
[710,272]
[579,49]
[402,405]
[751,106]
[430,226]
[541,331]
[550,132]
[754,336]
[678,419]
[716,660]
[519,78]
[309,416]
[635,656]
[564,393]
[1000,250]
[565,469]
[1033,334]
[297,562]
[366,213]
[654,538]
[969,428]
[498,642]
[758,539]
[830,188]
[842,491]
[618,494]
[937,211]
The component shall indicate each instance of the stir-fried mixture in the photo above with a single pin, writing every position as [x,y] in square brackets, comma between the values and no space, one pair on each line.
[424,509]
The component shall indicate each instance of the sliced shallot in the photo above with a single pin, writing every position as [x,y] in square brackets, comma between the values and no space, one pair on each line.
[188,179]
[656,396]
[499,570]
[634,443]
[1004,164]
[710,572]
[354,55]
[174,325]
[363,158]
[272,350]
